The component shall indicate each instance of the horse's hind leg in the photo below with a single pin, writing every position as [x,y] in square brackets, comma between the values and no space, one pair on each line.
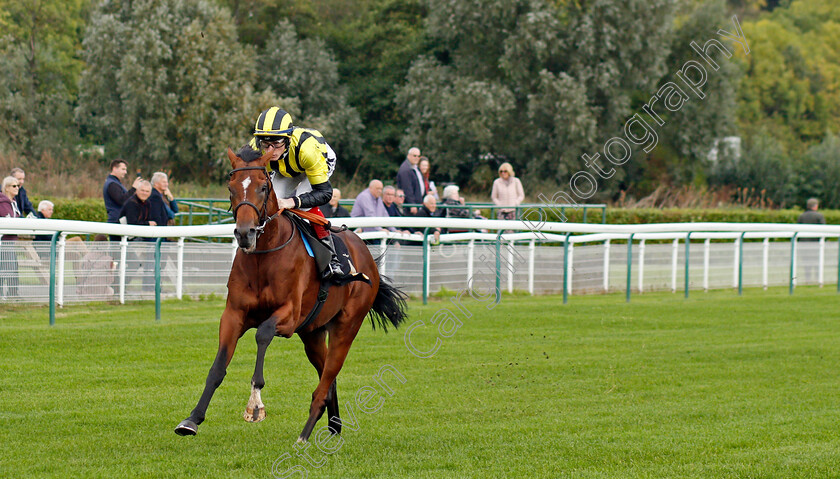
[230,329]
[316,350]
[341,337]
[255,410]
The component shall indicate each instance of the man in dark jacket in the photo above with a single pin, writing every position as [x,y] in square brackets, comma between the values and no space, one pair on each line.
[810,250]
[115,194]
[137,211]
[410,180]
[429,210]
[333,209]
[22,199]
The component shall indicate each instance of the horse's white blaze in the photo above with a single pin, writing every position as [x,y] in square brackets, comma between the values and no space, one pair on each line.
[245,183]
[255,400]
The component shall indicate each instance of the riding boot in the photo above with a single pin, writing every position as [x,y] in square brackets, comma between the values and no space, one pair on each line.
[334,268]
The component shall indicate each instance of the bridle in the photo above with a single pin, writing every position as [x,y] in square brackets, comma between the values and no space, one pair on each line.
[261,213]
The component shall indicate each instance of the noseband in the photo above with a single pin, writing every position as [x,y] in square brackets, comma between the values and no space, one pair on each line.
[260,212]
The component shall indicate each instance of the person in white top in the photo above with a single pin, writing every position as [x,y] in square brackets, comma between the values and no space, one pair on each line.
[507,192]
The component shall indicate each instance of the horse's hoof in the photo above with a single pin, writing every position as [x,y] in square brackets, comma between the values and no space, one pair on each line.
[186,428]
[256,414]
[301,440]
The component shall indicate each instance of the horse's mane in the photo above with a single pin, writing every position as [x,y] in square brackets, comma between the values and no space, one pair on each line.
[248,154]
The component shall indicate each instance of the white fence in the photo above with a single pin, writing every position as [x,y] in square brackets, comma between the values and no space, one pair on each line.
[537,260]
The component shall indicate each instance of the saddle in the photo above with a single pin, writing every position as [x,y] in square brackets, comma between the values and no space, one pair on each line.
[322,255]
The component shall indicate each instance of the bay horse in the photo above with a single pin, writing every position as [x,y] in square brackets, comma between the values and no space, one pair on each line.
[272,287]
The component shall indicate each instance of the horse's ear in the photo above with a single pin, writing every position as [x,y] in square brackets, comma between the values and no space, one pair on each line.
[263,161]
[233,158]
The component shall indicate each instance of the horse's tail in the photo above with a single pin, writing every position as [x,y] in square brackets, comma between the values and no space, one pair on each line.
[389,304]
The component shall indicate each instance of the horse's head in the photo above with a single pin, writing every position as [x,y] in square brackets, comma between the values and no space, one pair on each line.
[251,196]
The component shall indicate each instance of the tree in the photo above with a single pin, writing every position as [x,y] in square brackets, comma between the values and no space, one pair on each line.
[690,133]
[167,85]
[38,74]
[306,71]
[533,82]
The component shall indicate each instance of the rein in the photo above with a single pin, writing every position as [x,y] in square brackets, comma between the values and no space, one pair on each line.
[261,213]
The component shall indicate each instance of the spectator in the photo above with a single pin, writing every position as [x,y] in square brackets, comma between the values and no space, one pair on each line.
[115,194]
[389,197]
[425,170]
[810,251]
[369,204]
[507,192]
[333,209]
[8,254]
[811,216]
[410,180]
[399,199]
[45,211]
[429,210]
[163,204]
[451,197]
[22,199]
[137,210]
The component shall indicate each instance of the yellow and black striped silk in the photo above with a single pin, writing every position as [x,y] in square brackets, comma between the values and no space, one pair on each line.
[307,154]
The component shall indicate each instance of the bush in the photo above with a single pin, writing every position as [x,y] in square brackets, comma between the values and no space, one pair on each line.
[618,216]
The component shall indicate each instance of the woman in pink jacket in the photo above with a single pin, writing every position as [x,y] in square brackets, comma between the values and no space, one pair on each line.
[8,253]
[507,192]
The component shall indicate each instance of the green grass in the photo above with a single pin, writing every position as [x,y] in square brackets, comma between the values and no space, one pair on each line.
[713,386]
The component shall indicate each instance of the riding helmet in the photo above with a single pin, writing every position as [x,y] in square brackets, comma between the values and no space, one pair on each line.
[273,122]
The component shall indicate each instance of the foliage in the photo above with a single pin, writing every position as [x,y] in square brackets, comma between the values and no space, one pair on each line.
[167,84]
[532,82]
[38,73]
[790,89]
[305,71]
[690,133]
[764,165]
[88,209]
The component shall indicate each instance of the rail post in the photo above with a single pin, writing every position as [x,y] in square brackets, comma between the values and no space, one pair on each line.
[157,278]
[792,261]
[629,263]
[741,265]
[687,246]
[566,268]
[426,266]
[53,244]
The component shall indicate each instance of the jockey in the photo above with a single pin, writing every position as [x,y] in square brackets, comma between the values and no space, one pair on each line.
[302,163]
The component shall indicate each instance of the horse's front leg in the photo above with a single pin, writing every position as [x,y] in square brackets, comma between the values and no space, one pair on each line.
[230,330]
[255,410]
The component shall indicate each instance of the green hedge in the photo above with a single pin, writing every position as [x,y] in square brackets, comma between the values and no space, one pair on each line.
[621,216]
[93,209]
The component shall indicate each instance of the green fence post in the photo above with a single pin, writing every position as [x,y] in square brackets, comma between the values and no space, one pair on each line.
[629,262]
[157,278]
[566,268]
[687,247]
[585,209]
[604,215]
[53,244]
[741,265]
[425,265]
[499,264]
[792,258]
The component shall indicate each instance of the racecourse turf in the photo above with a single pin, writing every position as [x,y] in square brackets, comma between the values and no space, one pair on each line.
[716,385]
